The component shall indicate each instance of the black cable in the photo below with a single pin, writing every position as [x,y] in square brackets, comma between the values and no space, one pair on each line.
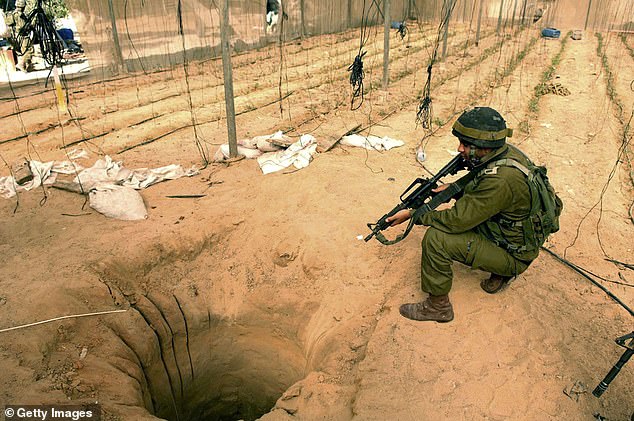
[627,265]
[424,113]
[583,272]
[127,32]
[356,68]
[356,79]
[38,27]
[621,151]
[181,31]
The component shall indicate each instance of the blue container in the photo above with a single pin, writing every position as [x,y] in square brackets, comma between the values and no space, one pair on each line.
[66,34]
[551,33]
[396,25]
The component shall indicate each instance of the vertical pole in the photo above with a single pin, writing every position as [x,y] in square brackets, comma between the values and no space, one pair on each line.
[349,13]
[118,56]
[497,31]
[477,41]
[524,12]
[301,16]
[513,18]
[228,81]
[587,15]
[386,43]
[445,35]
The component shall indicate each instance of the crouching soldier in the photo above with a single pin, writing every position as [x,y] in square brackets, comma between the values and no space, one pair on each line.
[498,224]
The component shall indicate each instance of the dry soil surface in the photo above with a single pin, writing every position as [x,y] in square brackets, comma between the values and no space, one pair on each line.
[258,299]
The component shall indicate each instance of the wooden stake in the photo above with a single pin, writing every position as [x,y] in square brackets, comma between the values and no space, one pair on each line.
[386,43]
[477,41]
[587,15]
[446,17]
[115,37]
[497,31]
[228,79]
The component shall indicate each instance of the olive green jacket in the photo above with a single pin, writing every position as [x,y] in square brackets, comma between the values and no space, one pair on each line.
[496,192]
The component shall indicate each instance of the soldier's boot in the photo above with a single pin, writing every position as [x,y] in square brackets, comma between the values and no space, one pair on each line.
[436,308]
[495,283]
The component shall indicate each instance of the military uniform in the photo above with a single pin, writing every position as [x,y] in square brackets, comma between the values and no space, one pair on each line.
[490,227]
[465,232]
[17,20]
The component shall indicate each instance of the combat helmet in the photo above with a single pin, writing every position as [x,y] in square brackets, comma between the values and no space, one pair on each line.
[483,127]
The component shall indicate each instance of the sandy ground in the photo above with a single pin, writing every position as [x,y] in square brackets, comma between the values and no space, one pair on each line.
[259,298]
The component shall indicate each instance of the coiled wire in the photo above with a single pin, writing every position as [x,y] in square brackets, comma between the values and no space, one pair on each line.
[356,80]
[39,28]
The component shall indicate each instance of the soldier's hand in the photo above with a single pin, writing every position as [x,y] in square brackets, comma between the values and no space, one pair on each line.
[440,188]
[399,217]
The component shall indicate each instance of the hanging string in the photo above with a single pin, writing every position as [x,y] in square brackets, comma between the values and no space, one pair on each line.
[424,113]
[202,150]
[39,27]
[356,68]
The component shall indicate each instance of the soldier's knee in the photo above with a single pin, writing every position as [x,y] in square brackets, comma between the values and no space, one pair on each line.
[433,238]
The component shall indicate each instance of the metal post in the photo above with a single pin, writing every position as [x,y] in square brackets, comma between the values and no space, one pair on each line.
[118,56]
[524,12]
[386,43]
[446,34]
[477,41]
[587,15]
[301,11]
[228,81]
[349,13]
[497,31]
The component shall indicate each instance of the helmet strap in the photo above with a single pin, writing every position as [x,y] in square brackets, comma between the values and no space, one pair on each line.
[472,154]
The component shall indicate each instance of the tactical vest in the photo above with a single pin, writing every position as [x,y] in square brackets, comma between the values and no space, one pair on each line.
[543,217]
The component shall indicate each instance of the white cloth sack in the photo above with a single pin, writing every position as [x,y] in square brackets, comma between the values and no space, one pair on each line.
[119,202]
[107,171]
[43,173]
[371,142]
[298,154]
[111,186]
[223,152]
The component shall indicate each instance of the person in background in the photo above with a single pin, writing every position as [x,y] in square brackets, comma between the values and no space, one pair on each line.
[16,19]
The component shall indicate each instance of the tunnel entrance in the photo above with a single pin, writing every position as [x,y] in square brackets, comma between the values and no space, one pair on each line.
[213,369]
[203,342]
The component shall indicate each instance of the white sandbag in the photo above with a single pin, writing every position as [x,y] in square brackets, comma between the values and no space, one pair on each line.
[248,143]
[298,154]
[104,171]
[42,174]
[371,142]
[119,202]
[264,144]
[223,153]
[354,140]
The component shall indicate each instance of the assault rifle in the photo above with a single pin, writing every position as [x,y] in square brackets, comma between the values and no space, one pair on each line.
[629,351]
[419,196]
